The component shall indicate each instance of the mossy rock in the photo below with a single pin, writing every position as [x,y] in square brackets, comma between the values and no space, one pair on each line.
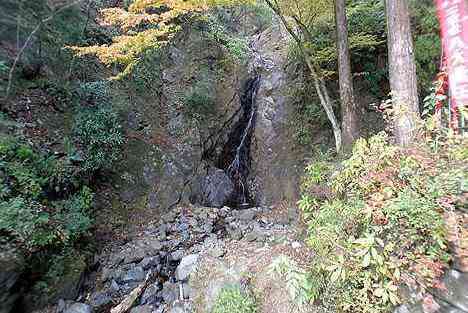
[62,280]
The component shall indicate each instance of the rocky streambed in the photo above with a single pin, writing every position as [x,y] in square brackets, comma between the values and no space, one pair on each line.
[164,255]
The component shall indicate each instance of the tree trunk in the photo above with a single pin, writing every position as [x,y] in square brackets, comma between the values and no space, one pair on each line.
[319,84]
[402,70]
[349,115]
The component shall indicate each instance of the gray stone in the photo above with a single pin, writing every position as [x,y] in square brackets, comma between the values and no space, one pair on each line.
[150,296]
[106,274]
[115,286]
[186,267]
[153,246]
[135,274]
[457,290]
[162,231]
[216,189]
[234,232]
[170,292]
[177,255]
[134,255]
[186,291]
[142,309]
[177,308]
[208,228]
[169,217]
[11,266]
[159,310]
[255,235]
[247,215]
[61,305]
[79,308]
[216,252]
[99,299]
[149,262]
[116,259]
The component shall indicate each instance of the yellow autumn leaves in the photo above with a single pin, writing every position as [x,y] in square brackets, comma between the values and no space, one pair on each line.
[145,25]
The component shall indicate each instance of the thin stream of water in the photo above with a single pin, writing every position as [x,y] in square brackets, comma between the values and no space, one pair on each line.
[238,169]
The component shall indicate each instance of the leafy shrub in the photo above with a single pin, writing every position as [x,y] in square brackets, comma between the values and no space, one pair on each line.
[388,227]
[99,134]
[235,46]
[27,214]
[296,280]
[233,300]
[3,67]
[95,92]
[143,73]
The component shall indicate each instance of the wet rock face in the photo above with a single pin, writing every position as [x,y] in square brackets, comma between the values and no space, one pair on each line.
[163,156]
[216,189]
[166,161]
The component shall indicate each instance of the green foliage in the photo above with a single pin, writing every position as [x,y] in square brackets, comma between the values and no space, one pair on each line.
[367,41]
[308,116]
[27,214]
[99,135]
[366,26]
[263,14]
[257,15]
[427,45]
[236,47]
[387,229]
[233,300]
[62,270]
[97,92]
[296,280]
[3,67]
[144,75]
[20,18]
[73,214]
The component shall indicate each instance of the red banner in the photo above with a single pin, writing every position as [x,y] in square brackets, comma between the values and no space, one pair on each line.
[453,17]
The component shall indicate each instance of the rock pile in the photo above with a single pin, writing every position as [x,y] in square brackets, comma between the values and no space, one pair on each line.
[168,252]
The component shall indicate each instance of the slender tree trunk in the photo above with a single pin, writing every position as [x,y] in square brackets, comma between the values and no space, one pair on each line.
[349,114]
[402,70]
[319,84]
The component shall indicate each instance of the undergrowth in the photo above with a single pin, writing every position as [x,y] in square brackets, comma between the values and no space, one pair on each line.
[389,223]
[43,204]
[233,300]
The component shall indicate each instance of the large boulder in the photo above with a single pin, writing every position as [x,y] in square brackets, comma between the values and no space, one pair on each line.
[186,267]
[215,189]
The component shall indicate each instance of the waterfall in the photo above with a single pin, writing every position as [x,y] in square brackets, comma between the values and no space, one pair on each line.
[238,169]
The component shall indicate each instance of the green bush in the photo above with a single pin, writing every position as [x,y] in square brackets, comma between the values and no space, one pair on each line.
[27,214]
[233,300]
[387,226]
[99,135]
[143,74]
[95,92]
[236,47]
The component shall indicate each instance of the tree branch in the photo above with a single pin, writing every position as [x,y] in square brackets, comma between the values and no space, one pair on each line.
[28,40]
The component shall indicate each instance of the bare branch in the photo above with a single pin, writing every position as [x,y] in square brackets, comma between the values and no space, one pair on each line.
[28,40]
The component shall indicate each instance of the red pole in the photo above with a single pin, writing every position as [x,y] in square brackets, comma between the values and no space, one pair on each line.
[453,17]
